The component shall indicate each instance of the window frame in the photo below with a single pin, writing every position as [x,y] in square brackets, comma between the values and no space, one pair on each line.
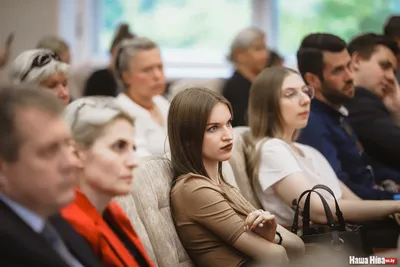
[82,33]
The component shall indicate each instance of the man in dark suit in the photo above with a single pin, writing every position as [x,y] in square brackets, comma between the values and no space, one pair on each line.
[374,62]
[36,181]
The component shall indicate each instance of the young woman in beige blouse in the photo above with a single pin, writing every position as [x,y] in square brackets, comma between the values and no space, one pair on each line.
[215,223]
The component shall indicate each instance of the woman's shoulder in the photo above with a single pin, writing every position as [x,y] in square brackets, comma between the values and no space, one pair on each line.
[191,183]
[273,145]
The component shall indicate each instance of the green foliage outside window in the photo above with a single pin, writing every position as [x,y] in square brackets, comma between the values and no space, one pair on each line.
[211,24]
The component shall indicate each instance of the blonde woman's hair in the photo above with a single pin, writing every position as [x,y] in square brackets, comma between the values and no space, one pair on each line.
[22,70]
[88,116]
[265,116]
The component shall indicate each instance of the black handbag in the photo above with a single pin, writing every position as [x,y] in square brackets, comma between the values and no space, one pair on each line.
[333,241]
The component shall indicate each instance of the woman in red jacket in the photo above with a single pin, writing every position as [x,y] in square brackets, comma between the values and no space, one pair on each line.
[104,145]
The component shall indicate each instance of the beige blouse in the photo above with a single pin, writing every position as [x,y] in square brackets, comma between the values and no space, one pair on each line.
[209,218]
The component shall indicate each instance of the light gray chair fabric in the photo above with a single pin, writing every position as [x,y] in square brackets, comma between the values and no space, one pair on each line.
[238,163]
[151,196]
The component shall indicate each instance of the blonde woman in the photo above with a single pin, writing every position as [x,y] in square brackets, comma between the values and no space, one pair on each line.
[279,107]
[43,68]
[105,148]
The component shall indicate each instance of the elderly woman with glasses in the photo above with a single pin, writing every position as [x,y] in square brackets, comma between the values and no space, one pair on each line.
[282,169]
[104,144]
[44,68]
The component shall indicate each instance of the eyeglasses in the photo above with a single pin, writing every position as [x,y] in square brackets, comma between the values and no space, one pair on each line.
[39,61]
[295,94]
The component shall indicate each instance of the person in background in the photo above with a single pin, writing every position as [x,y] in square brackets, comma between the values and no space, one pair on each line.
[37,179]
[104,143]
[324,64]
[217,226]
[373,61]
[57,45]
[249,55]
[274,59]
[103,81]
[139,69]
[43,68]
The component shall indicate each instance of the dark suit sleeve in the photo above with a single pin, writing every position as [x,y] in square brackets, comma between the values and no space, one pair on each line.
[378,134]
[317,136]
[239,108]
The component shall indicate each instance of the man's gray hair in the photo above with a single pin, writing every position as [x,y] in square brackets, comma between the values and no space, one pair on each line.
[243,40]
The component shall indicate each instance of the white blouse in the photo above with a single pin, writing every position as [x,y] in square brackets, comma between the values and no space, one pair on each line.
[150,137]
[278,160]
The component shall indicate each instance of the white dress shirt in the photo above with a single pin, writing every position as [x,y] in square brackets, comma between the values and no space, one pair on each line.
[29,217]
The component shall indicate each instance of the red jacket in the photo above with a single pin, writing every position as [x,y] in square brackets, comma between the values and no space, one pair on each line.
[88,222]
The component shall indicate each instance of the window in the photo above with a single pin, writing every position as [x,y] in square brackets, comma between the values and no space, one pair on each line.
[194,35]
[345,18]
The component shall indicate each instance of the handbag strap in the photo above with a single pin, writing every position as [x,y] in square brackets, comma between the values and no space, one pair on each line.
[295,224]
[336,241]
[328,212]
[306,213]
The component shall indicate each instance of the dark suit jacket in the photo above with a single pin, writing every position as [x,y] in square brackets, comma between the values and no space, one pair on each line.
[20,246]
[373,125]
[237,91]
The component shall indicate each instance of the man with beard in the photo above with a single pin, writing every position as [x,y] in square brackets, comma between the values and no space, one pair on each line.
[324,63]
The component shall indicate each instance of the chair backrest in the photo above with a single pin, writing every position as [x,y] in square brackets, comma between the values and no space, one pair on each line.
[228,174]
[151,195]
[238,164]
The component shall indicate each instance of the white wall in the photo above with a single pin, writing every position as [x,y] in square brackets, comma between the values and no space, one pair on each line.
[30,20]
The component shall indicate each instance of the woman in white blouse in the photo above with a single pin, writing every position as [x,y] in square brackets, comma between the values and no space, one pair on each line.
[139,69]
[282,169]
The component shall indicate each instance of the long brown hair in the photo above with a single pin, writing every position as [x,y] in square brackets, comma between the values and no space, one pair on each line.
[187,120]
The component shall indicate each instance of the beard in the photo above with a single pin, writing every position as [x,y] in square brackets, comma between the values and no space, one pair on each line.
[336,97]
